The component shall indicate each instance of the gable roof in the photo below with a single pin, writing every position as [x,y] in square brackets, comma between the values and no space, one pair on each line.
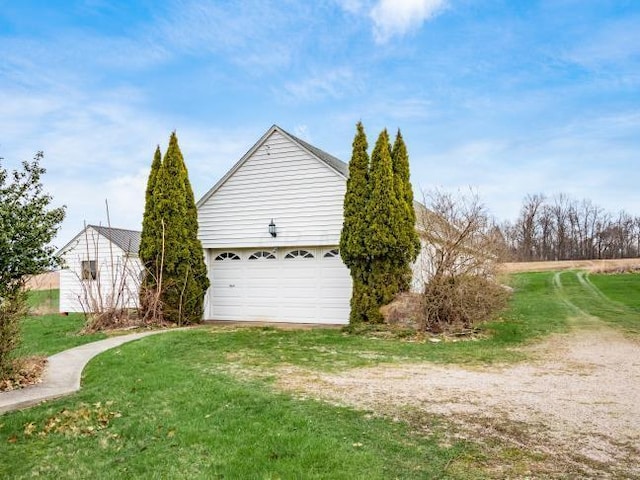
[127,240]
[332,162]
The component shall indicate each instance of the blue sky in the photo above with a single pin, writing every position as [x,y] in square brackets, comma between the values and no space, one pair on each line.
[509,97]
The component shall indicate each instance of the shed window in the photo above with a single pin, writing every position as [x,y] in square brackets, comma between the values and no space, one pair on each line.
[226,256]
[88,269]
[262,254]
[332,253]
[299,254]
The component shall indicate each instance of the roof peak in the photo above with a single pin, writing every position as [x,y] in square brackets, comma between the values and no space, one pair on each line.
[333,162]
[112,228]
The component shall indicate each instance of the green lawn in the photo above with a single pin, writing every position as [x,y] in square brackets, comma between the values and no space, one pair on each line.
[613,299]
[44,299]
[50,333]
[171,406]
[624,288]
[179,417]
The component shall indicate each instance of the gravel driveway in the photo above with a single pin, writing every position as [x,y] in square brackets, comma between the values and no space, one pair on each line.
[577,403]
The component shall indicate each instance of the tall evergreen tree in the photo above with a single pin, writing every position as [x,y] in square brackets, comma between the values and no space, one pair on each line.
[382,204]
[149,238]
[352,247]
[382,220]
[172,239]
[354,229]
[408,243]
[195,304]
[378,242]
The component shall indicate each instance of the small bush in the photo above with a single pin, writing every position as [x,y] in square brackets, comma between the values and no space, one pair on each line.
[457,304]
[13,307]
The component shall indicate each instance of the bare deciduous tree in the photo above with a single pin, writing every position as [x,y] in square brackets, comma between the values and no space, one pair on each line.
[564,229]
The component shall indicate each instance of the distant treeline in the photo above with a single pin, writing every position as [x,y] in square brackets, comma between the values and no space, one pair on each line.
[561,228]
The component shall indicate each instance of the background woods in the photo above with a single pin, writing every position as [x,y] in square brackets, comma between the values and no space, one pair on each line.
[562,228]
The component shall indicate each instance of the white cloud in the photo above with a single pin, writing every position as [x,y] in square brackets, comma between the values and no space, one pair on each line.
[334,83]
[247,33]
[351,6]
[398,17]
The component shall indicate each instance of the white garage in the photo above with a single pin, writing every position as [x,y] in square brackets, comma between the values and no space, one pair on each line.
[270,229]
[305,285]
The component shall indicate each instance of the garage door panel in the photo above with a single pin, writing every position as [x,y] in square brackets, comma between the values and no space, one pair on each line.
[300,296]
[227,286]
[299,317]
[297,303]
[253,286]
[264,297]
[257,312]
[261,277]
[313,290]
[222,312]
[229,299]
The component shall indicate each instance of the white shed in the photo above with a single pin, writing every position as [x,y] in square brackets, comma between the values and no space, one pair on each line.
[100,269]
[270,229]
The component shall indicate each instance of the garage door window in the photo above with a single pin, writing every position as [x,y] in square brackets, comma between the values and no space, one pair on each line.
[226,256]
[263,254]
[332,253]
[298,254]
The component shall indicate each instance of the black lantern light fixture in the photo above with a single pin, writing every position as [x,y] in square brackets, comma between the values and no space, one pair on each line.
[272,228]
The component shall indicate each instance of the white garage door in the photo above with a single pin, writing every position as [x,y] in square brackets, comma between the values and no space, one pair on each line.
[301,285]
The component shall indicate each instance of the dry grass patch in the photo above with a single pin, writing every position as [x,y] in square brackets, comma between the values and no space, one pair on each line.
[609,265]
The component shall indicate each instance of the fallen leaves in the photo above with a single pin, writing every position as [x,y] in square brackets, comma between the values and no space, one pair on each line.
[84,420]
[26,371]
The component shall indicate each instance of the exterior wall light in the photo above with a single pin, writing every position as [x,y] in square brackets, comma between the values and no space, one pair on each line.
[272,228]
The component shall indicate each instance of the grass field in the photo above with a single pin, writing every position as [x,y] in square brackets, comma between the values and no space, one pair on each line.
[624,289]
[43,301]
[180,405]
[613,299]
[52,333]
[45,332]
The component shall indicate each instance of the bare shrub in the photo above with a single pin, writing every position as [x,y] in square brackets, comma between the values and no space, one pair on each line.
[406,310]
[457,304]
[462,289]
[114,297]
[105,299]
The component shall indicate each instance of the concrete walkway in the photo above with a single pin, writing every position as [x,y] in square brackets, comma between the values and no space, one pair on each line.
[63,371]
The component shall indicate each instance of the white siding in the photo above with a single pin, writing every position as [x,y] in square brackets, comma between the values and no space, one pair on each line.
[422,268]
[283,181]
[77,295]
